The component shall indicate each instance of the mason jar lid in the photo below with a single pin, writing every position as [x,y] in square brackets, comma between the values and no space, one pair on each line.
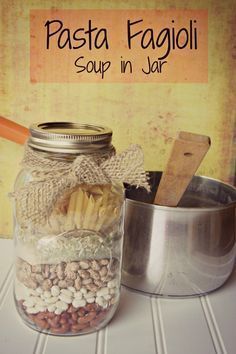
[67,137]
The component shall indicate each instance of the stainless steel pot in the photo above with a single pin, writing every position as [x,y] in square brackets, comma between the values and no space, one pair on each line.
[180,251]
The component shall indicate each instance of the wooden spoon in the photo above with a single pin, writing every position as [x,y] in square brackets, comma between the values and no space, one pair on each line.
[13,131]
[187,154]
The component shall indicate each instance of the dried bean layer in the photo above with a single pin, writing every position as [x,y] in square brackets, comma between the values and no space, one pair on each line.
[73,321]
[73,297]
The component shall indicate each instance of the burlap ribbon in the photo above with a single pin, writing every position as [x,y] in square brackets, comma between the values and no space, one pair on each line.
[51,178]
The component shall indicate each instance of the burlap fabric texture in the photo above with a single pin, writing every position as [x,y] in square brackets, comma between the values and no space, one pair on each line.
[52,178]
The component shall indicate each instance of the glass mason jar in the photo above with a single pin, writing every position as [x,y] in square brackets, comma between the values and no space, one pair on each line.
[68,234]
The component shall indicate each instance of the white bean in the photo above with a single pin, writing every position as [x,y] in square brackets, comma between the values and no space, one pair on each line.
[55,290]
[103,291]
[90,300]
[66,292]
[72,289]
[30,302]
[107,297]
[51,300]
[36,299]
[58,311]
[61,305]
[78,295]
[51,308]
[65,298]
[39,302]
[47,294]
[112,291]
[89,294]
[112,283]
[32,310]
[78,303]
[100,301]
[83,291]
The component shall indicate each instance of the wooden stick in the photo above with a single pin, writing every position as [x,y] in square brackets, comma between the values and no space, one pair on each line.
[187,154]
[13,131]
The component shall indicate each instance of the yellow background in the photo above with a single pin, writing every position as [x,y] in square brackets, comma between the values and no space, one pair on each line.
[148,114]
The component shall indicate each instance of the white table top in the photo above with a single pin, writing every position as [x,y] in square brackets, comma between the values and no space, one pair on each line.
[141,325]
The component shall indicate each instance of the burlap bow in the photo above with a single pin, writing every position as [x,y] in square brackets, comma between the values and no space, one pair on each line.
[51,178]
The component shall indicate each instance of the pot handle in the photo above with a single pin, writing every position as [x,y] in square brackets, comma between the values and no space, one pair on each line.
[187,154]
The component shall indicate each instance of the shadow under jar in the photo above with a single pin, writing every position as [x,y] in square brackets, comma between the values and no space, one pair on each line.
[68,234]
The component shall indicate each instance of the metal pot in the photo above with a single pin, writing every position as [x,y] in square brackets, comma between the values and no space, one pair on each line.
[180,251]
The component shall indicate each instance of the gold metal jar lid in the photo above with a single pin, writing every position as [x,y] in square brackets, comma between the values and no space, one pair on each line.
[72,138]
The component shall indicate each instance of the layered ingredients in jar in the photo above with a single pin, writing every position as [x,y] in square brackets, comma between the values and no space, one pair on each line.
[68,268]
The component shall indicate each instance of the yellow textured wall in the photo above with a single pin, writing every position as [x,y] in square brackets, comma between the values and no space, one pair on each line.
[148,114]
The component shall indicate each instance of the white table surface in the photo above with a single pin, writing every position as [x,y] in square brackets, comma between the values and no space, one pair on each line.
[142,324]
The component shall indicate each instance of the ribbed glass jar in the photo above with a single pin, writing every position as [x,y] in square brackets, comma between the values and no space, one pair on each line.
[68,264]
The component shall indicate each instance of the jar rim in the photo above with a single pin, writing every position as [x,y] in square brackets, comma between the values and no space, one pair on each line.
[69,137]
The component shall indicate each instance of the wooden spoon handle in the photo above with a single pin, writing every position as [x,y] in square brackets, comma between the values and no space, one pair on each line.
[187,153]
[12,131]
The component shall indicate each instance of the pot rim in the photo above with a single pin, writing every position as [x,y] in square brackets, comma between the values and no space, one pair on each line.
[189,209]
